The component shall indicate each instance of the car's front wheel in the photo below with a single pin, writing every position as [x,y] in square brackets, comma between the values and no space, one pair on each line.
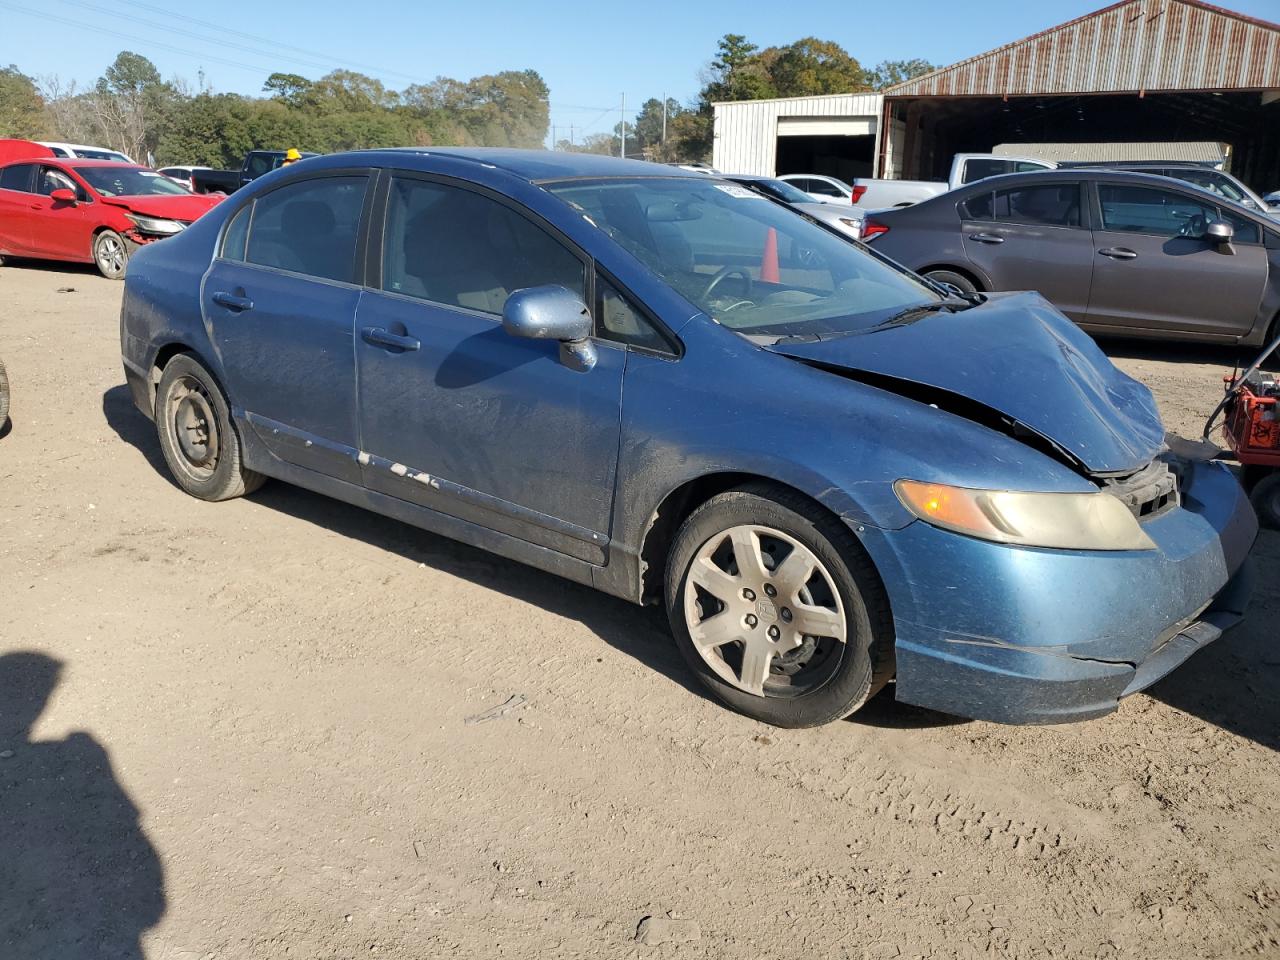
[110,254]
[957,280]
[197,438]
[777,608]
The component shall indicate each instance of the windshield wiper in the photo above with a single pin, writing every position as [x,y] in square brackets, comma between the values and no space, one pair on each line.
[912,313]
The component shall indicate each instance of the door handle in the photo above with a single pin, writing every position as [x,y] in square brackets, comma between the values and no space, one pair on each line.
[1118,253]
[385,338]
[232,302]
[986,237]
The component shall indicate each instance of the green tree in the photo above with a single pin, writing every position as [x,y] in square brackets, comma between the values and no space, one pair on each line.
[649,125]
[889,73]
[289,88]
[811,66]
[21,106]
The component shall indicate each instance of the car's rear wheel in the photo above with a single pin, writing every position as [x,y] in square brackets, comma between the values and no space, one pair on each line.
[957,280]
[1265,497]
[110,254]
[197,438]
[777,608]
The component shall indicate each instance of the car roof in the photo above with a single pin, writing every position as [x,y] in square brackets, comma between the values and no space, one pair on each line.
[77,162]
[534,165]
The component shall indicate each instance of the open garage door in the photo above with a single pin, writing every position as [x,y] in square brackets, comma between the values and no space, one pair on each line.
[842,147]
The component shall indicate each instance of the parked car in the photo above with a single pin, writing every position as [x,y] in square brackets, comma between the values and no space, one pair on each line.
[1206,178]
[89,211]
[1117,252]
[840,219]
[874,193]
[821,188]
[255,164]
[79,151]
[1272,199]
[183,175]
[659,385]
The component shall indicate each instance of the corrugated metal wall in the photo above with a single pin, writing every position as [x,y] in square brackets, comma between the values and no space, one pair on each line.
[746,132]
[1133,46]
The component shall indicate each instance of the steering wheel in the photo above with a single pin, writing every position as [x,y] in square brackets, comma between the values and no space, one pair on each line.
[724,273]
[1195,226]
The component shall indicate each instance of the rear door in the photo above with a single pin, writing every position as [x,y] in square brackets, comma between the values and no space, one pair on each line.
[62,230]
[16,200]
[280,302]
[462,417]
[1032,237]
[1154,270]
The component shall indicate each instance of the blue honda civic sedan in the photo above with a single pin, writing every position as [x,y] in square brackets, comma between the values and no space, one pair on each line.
[833,473]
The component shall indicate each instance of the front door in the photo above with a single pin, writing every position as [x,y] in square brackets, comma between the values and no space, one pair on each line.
[280,302]
[59,229]
[456,414]
[1032,238]
[1153,269]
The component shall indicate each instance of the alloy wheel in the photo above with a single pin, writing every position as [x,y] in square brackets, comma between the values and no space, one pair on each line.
[763,612]
[110,254]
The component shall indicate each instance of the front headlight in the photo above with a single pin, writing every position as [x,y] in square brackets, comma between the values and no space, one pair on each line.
[156,225]
[1067,521]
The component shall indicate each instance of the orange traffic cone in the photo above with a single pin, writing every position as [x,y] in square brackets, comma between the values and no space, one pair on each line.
[769,261]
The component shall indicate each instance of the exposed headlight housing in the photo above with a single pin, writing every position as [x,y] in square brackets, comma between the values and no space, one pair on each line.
[1065,521]
[157,225]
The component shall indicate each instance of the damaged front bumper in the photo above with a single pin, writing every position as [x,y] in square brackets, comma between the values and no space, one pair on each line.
[1026,635]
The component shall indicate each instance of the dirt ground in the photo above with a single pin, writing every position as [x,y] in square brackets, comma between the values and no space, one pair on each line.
[281,686]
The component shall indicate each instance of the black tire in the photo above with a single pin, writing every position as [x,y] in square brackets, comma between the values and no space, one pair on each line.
[957,280]
[206,463]
[110,254]
[866,661]
[4,396]
[1265,497]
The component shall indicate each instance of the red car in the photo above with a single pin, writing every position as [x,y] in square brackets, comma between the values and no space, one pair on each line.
[88,211]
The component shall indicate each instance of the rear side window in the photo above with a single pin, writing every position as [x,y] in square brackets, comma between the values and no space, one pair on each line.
[461,249]
[17,177]
[977,207]
[1054,205]
[979,169]
[824,189]
[235,239]
[309,227]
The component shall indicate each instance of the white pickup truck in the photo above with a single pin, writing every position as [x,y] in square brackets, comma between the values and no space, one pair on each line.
[965,168]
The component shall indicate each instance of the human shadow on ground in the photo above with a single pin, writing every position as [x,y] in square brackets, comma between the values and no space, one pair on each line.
[640,632]
[78,878]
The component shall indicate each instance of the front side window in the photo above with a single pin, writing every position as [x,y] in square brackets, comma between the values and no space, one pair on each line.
[17,177]
[309,227]
[623,322]
[1161,213]
[52,179]
[461,249]
[753,265]
[129,182]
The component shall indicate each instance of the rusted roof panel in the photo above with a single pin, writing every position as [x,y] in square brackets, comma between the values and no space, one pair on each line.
[1128,47]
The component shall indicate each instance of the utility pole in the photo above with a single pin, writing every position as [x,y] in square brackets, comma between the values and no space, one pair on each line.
[553,137]
[622,150]
[664,118]
[571,136]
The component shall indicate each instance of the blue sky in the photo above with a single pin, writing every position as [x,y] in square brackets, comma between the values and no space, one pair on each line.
[589,53]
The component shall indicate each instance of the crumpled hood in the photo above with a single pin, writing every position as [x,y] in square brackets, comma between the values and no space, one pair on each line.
[1016,355]
[186,208]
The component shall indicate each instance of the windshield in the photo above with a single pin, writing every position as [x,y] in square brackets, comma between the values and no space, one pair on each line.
[1213,183]
[753,265]
[101,155]
[129,182]
[784,191]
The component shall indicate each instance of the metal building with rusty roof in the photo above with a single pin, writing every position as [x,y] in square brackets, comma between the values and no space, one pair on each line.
[1166,73]
[1158,71]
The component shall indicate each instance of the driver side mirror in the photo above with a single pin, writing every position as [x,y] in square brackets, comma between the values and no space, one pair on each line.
[63,195]
[552,312]
[1220,234]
